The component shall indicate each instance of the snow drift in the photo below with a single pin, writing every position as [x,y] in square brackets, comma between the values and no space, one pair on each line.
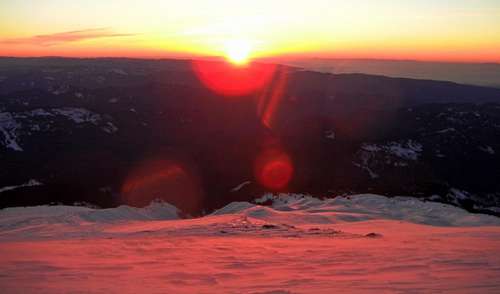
[291,208]
[294,244]
[76,215]
[307,209]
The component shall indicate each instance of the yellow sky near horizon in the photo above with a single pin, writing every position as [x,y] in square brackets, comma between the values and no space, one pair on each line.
[460,30]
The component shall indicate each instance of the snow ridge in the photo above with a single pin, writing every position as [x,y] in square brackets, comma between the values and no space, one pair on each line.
[298,208]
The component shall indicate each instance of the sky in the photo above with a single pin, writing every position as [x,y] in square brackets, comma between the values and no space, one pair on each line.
[444,30]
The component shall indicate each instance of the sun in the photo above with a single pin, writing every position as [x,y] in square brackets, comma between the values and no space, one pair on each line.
[238,51]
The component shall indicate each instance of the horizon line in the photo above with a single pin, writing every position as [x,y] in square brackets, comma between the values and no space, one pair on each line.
[274,59]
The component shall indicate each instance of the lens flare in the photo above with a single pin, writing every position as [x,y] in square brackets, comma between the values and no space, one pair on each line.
[167,180]
[274,169]
[269,100]
[229,80]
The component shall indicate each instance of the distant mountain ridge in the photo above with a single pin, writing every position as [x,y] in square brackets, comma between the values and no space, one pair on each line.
[481,74]
[81,128]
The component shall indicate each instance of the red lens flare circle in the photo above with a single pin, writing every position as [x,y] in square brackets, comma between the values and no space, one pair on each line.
[233,80]
[167,180]
[274,169]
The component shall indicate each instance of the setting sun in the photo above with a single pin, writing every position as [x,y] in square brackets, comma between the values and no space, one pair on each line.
[238,51]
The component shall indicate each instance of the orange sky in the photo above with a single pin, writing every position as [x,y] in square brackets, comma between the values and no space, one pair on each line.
[460,30]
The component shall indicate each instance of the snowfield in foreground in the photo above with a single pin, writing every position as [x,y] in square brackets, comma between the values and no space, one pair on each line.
[298,244]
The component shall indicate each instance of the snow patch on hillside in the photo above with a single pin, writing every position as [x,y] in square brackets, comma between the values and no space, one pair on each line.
[409,150]
[364,165]
[330,135]
[118,71]
[487,149]
[17,124]
[78,115]
[397,154]
[8,128]
[447,130]
[240,186]
[62,89]
[38,112]
[30,183]
[109,128]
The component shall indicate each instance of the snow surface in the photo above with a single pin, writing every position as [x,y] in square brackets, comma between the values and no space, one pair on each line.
[298,244]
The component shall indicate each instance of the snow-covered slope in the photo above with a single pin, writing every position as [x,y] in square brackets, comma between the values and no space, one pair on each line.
[32,222]
[15,125]
[375,207]
[294,244]
[290,208]
[75,214]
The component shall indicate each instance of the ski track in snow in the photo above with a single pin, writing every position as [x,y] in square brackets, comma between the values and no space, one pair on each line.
[362,244]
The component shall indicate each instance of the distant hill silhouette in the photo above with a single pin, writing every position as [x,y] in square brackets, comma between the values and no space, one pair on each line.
[482,74]
[87,128]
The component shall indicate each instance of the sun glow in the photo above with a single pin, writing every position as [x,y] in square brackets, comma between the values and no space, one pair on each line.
[238,51]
